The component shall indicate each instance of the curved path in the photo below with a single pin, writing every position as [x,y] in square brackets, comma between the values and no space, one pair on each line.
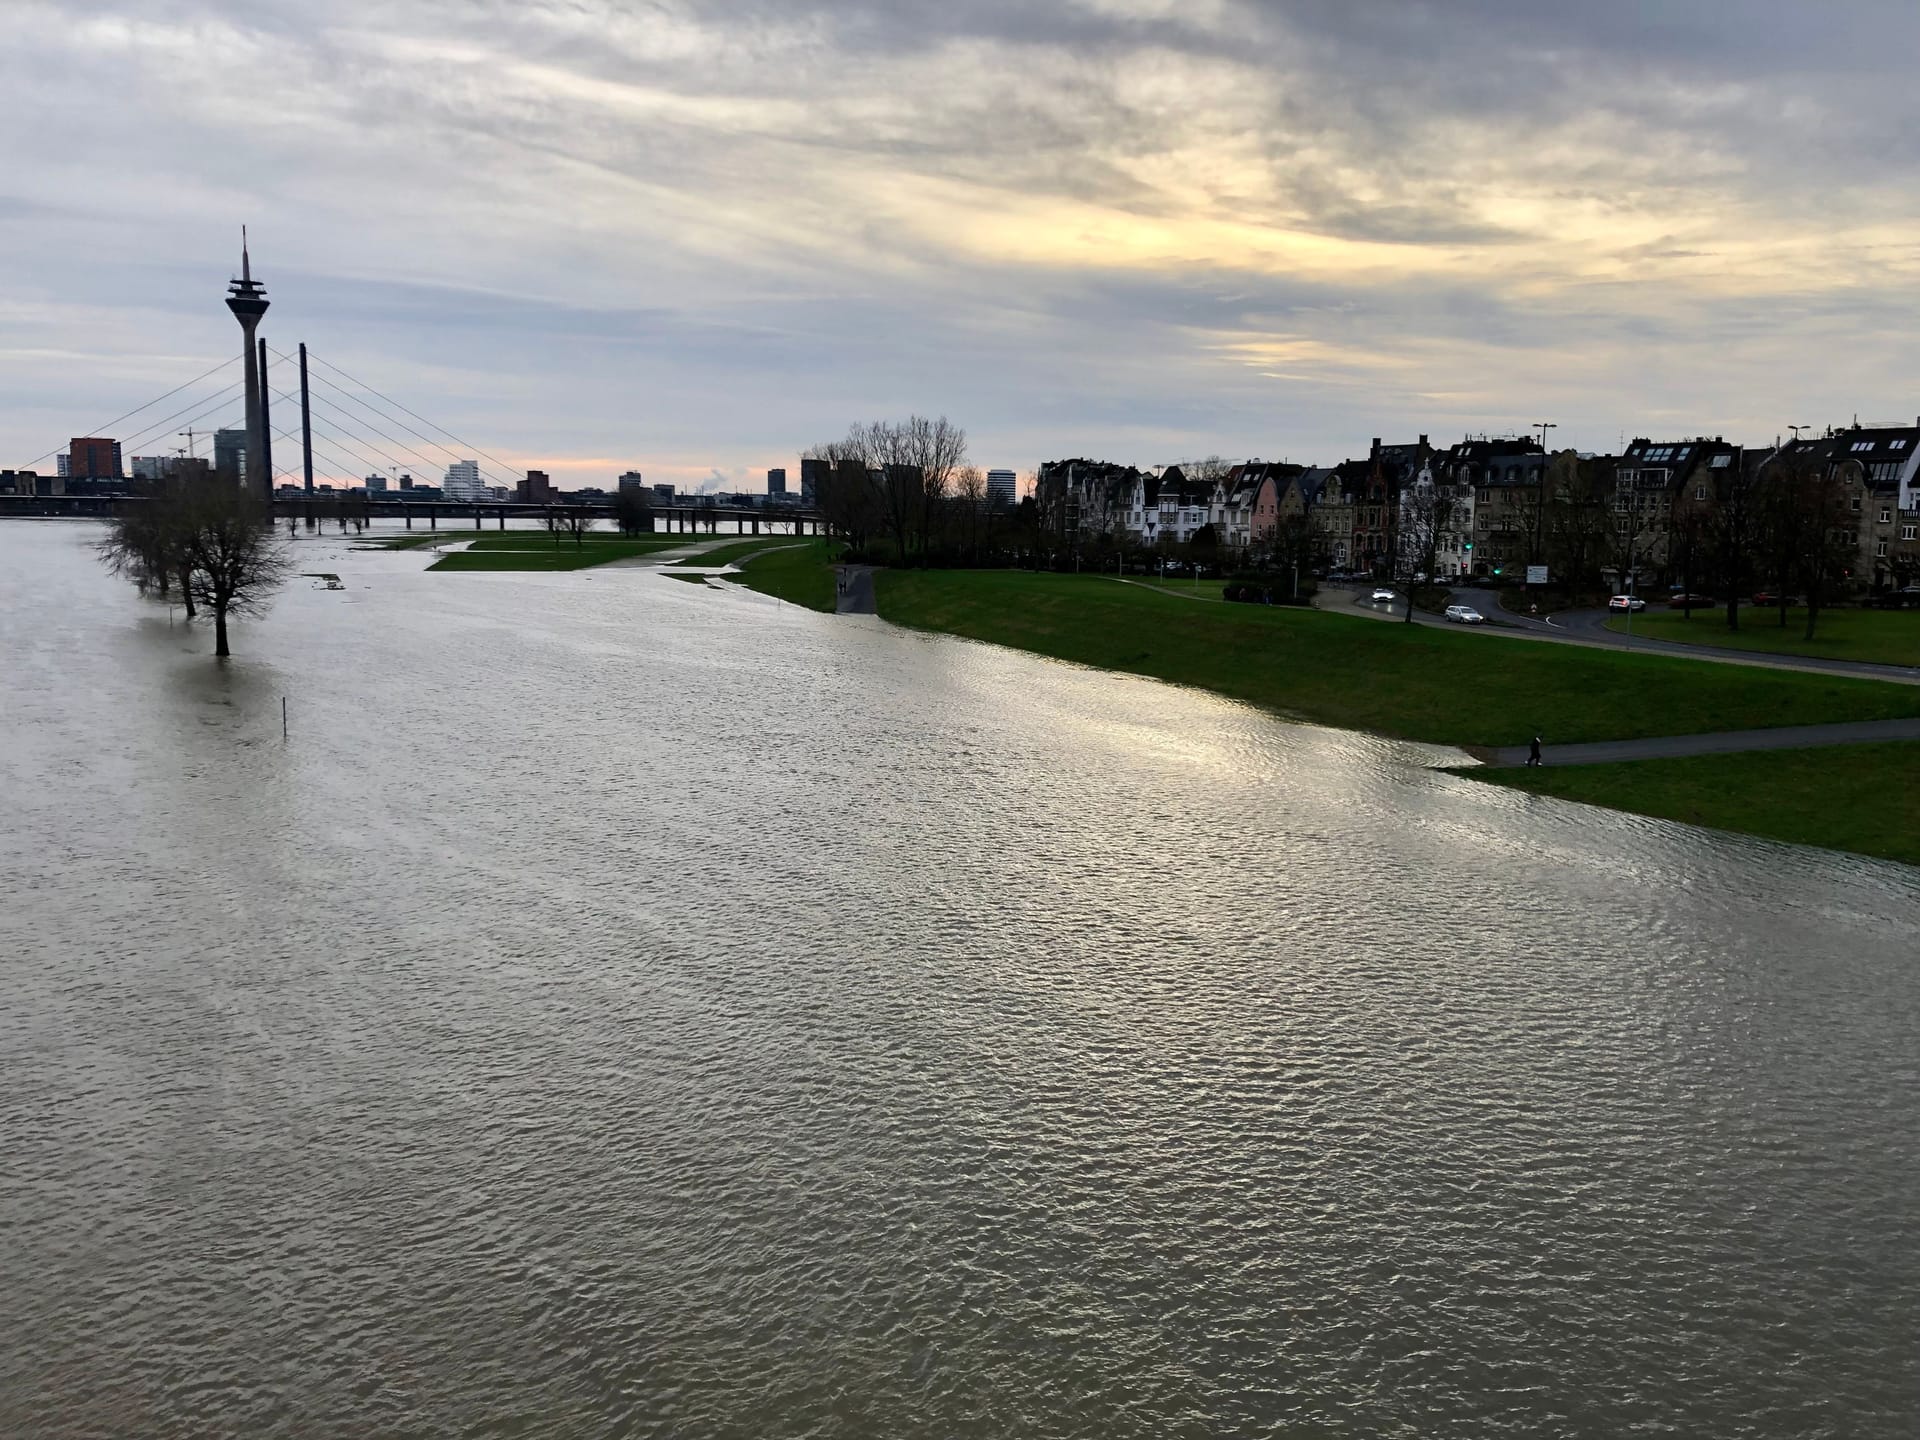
[1719,742]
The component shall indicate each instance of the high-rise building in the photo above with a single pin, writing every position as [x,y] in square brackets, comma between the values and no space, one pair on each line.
[777,482]
[536,489]
[463,481]
[376,484]
[230,454]
[90,457]
[813,473]
[1003,486]
[633,480]
[152,467]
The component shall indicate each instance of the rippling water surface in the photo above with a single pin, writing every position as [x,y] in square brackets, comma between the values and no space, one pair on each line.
[620,1008]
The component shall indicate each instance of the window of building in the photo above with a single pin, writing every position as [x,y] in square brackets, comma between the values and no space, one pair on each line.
[1880,549]
[1860,445]
[1886,516]
[1856,502]
[1896,444]
[1908,532]
[1699,492]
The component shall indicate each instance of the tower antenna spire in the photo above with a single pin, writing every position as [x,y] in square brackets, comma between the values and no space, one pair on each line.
[246,265]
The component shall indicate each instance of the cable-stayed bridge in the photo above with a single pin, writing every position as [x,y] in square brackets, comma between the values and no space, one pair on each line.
[322,435]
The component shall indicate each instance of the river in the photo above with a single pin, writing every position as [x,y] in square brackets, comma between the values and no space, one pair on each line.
[620,1008]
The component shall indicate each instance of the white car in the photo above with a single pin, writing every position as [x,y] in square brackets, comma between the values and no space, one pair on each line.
[1384,597]
[1632,604]
[1465,615]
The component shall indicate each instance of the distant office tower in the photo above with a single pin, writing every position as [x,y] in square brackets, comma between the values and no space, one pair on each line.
[62,463]
[92,458]
[376,484]
[663,493]
[777,482]
[152,467]
[463,481]
[536,489]
[1002,487]
[230,454]
[812,475]
[633,480]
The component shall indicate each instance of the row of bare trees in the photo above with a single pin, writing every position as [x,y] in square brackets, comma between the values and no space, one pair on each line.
[907,481]
[205,539]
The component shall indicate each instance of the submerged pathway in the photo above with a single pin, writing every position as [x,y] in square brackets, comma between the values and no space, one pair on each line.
[1719,742]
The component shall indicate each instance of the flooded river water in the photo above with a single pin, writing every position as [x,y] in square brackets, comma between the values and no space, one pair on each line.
[618,1008]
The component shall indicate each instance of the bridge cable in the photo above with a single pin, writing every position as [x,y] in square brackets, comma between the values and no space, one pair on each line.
[138,408]
[421,418]
[392,420]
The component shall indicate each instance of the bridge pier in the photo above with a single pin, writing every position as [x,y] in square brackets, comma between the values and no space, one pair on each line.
[409,517]
[433,517]
[501,515]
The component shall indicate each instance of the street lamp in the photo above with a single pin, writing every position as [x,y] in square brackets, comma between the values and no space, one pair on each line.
[1543,426]
[1796,431]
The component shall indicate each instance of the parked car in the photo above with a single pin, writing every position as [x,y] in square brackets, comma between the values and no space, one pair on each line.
[1632,604]
[1465,615]
[1773,597]
[1383,596]
[1692,602]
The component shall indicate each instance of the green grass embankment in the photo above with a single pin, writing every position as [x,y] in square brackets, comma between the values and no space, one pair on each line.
[1882,637]
[531,550]
[1413,681]
[1863,798]
[733,554]
[798,574]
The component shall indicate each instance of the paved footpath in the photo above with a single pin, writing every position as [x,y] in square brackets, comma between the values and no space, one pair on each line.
[854,586]
[1719,742]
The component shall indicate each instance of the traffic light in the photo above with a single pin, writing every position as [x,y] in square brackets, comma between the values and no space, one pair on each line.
[1469,545]
[1496,570]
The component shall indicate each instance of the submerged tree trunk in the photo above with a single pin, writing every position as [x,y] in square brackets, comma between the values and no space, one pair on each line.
[220,631]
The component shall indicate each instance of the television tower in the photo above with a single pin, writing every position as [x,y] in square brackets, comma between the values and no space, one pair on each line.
[247,299]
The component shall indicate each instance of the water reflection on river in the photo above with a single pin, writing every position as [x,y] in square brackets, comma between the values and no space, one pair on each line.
[626,1009]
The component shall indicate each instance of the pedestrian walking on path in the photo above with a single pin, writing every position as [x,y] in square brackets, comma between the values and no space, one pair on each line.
[1533,751]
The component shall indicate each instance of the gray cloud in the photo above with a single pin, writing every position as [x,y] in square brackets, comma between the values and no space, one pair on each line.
[697,236]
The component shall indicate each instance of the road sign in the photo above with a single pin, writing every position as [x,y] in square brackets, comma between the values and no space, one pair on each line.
[1536,574]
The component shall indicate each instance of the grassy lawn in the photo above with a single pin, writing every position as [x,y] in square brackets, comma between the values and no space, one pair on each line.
[421,537]
[733,554]
[546,555]
[1205,590]
[1864,798]
[799,576]
[1886,637]
[1414,681]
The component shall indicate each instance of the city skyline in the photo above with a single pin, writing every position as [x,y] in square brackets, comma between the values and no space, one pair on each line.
[675,242]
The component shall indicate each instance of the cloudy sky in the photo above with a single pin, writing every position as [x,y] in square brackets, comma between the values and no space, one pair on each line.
[693,238]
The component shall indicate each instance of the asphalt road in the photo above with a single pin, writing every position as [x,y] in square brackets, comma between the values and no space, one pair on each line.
[1588,627]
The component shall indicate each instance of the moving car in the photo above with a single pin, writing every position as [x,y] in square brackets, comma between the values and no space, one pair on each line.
[1465,615]
[1692,602]
[1384,596]
[1772,597]
[1630,603]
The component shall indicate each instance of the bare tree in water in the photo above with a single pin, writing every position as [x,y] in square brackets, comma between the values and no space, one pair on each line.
[209,538]
[234,562]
